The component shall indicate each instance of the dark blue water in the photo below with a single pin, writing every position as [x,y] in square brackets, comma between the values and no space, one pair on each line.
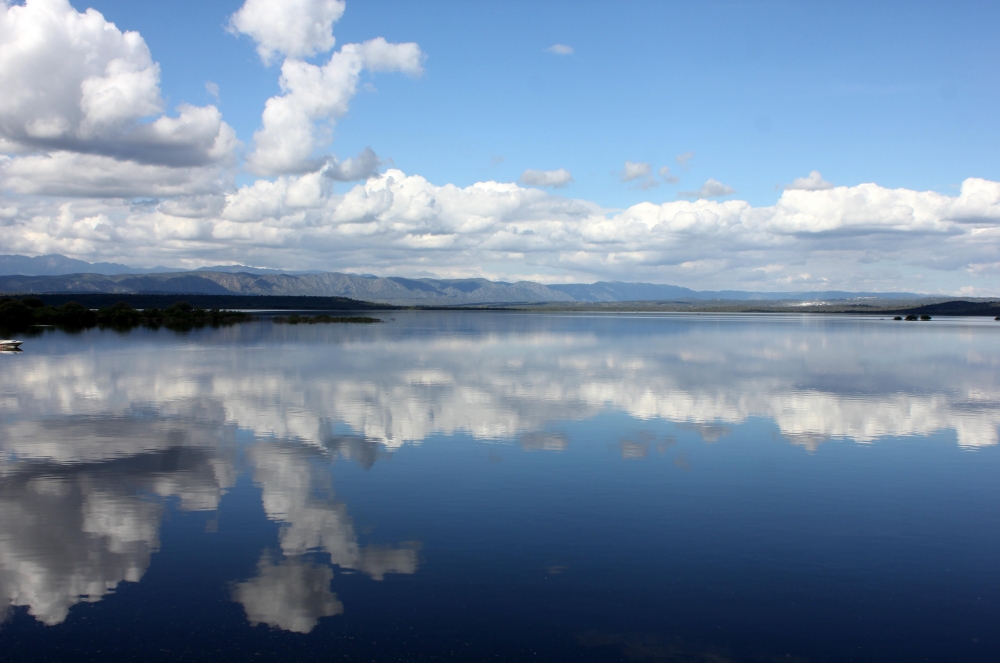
[495,486]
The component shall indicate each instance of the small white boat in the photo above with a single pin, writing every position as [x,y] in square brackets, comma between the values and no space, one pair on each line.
[8,344]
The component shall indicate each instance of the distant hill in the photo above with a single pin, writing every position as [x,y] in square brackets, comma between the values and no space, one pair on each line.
[103,300]
[56,264]
[244,269]
[389,290]
[59,274]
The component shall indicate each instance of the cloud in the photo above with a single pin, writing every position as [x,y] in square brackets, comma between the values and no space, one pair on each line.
[553,178]
[361,167]
[634,170]
[91,136]
[668,176]
[293,28]
[212,89]
[312,95]
[560,49]
[73,174]
[398,224]
[640,173]
[710,189]
[814,182]
[74,84]
[91,125]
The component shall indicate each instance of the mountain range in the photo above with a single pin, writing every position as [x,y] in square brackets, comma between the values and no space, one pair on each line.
[59,274]
[57,265]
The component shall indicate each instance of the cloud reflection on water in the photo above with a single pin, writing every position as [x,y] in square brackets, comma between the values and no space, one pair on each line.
[294,593]
[311,518]
[67,536]
[88,433]
[498,386]
[291,595]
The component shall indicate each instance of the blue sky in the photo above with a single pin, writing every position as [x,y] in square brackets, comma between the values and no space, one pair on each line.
[903,94]
[900,95]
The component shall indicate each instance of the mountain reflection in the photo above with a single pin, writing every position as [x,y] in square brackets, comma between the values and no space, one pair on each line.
[93,435]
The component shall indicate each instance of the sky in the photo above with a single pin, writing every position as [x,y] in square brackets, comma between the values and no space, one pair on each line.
[748,145]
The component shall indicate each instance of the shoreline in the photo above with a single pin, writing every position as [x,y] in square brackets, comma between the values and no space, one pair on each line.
[938,306]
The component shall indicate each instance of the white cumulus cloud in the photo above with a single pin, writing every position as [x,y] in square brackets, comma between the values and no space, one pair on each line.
[862,237]
[634,170]
[74,84]
[639,172]
[814,182]
[84,137]
[313,95]
[710,189]
[552,178]
[560,49]
[74,174]
[294,28]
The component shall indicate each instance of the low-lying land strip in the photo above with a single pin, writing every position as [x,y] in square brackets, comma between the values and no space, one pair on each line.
[926,306]
[323,319]
[32,311]
[185,311]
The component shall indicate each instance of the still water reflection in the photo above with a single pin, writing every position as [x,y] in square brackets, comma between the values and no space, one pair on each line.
[477,485]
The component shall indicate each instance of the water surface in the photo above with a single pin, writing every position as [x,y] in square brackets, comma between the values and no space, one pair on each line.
[505,486]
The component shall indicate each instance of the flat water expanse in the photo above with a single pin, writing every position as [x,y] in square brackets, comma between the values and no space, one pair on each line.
[504,486]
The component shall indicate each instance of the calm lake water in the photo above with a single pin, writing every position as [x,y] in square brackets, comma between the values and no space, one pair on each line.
[501,486]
